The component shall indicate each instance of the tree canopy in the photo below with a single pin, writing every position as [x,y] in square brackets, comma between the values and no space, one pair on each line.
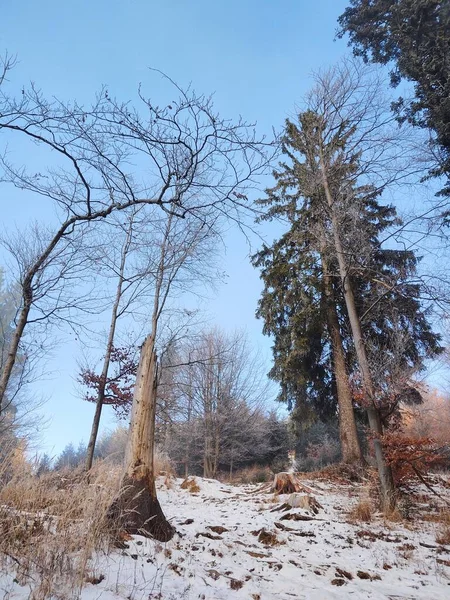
[414,37]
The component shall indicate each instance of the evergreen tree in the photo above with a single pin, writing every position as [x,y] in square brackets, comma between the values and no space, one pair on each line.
[303,279]
[292,307]
[414,35]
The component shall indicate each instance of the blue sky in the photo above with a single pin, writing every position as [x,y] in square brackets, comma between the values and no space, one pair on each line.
[255,56]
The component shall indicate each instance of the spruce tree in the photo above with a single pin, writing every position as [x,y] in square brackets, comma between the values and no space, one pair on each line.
[331,262]
[413,37]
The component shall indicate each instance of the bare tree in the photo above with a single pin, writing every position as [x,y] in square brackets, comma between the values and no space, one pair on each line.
[183,250]
[224,392]
[20,421]
[123,281]
[188,160]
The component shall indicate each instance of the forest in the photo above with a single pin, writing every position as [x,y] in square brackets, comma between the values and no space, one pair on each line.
[118,212]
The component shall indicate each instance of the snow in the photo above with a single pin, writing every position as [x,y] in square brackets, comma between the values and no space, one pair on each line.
[303,563]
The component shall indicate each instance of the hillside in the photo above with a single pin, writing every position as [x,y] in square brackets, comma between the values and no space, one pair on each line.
[244,542]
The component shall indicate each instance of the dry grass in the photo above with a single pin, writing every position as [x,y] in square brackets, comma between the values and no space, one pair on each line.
[362,511]
[443,535]
[395,515]
[51,526]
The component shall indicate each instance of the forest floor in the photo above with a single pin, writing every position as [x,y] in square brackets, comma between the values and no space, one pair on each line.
[243,542]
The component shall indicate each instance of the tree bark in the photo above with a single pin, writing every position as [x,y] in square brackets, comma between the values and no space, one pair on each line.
[14,347]
[137,509]
[388,491]
[350,447]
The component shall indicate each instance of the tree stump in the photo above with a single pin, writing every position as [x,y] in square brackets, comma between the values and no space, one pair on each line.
[289,483]
[136,510]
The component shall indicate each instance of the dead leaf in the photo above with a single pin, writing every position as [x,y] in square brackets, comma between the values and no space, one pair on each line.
[217,528]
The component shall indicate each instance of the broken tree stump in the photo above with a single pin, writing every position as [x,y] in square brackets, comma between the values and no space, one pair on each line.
[289,483]
[304,501]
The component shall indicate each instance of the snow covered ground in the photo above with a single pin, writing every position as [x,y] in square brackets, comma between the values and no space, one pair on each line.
[237,542]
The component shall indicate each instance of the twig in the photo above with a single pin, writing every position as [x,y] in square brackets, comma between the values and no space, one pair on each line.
[427,485]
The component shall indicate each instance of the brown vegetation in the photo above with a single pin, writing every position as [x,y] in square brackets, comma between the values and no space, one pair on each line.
[50,526]
[191,485]
[362,511]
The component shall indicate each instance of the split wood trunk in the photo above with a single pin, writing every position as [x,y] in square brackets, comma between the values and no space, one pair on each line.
[137,509]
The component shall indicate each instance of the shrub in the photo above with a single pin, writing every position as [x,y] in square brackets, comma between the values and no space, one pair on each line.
[362,511]
[411,457]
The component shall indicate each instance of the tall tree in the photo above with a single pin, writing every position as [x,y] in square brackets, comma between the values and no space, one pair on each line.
[414,36]
[329,276]
[299,306]
[116,311]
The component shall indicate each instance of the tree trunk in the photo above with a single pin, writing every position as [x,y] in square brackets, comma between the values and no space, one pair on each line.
[13,349]
[102,386]
[137,508]
[350,447]
[208,458]
[388,491]
[94,430]
[189,435]
[109,347]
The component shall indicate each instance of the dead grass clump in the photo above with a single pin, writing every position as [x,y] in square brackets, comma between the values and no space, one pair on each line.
[437,516]
[268,538]
[191,485]
[443,537]
[395,515]
[51,526]
[444,516]
[362,511]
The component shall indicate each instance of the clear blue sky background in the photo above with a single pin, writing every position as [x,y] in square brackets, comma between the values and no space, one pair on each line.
[256,56]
